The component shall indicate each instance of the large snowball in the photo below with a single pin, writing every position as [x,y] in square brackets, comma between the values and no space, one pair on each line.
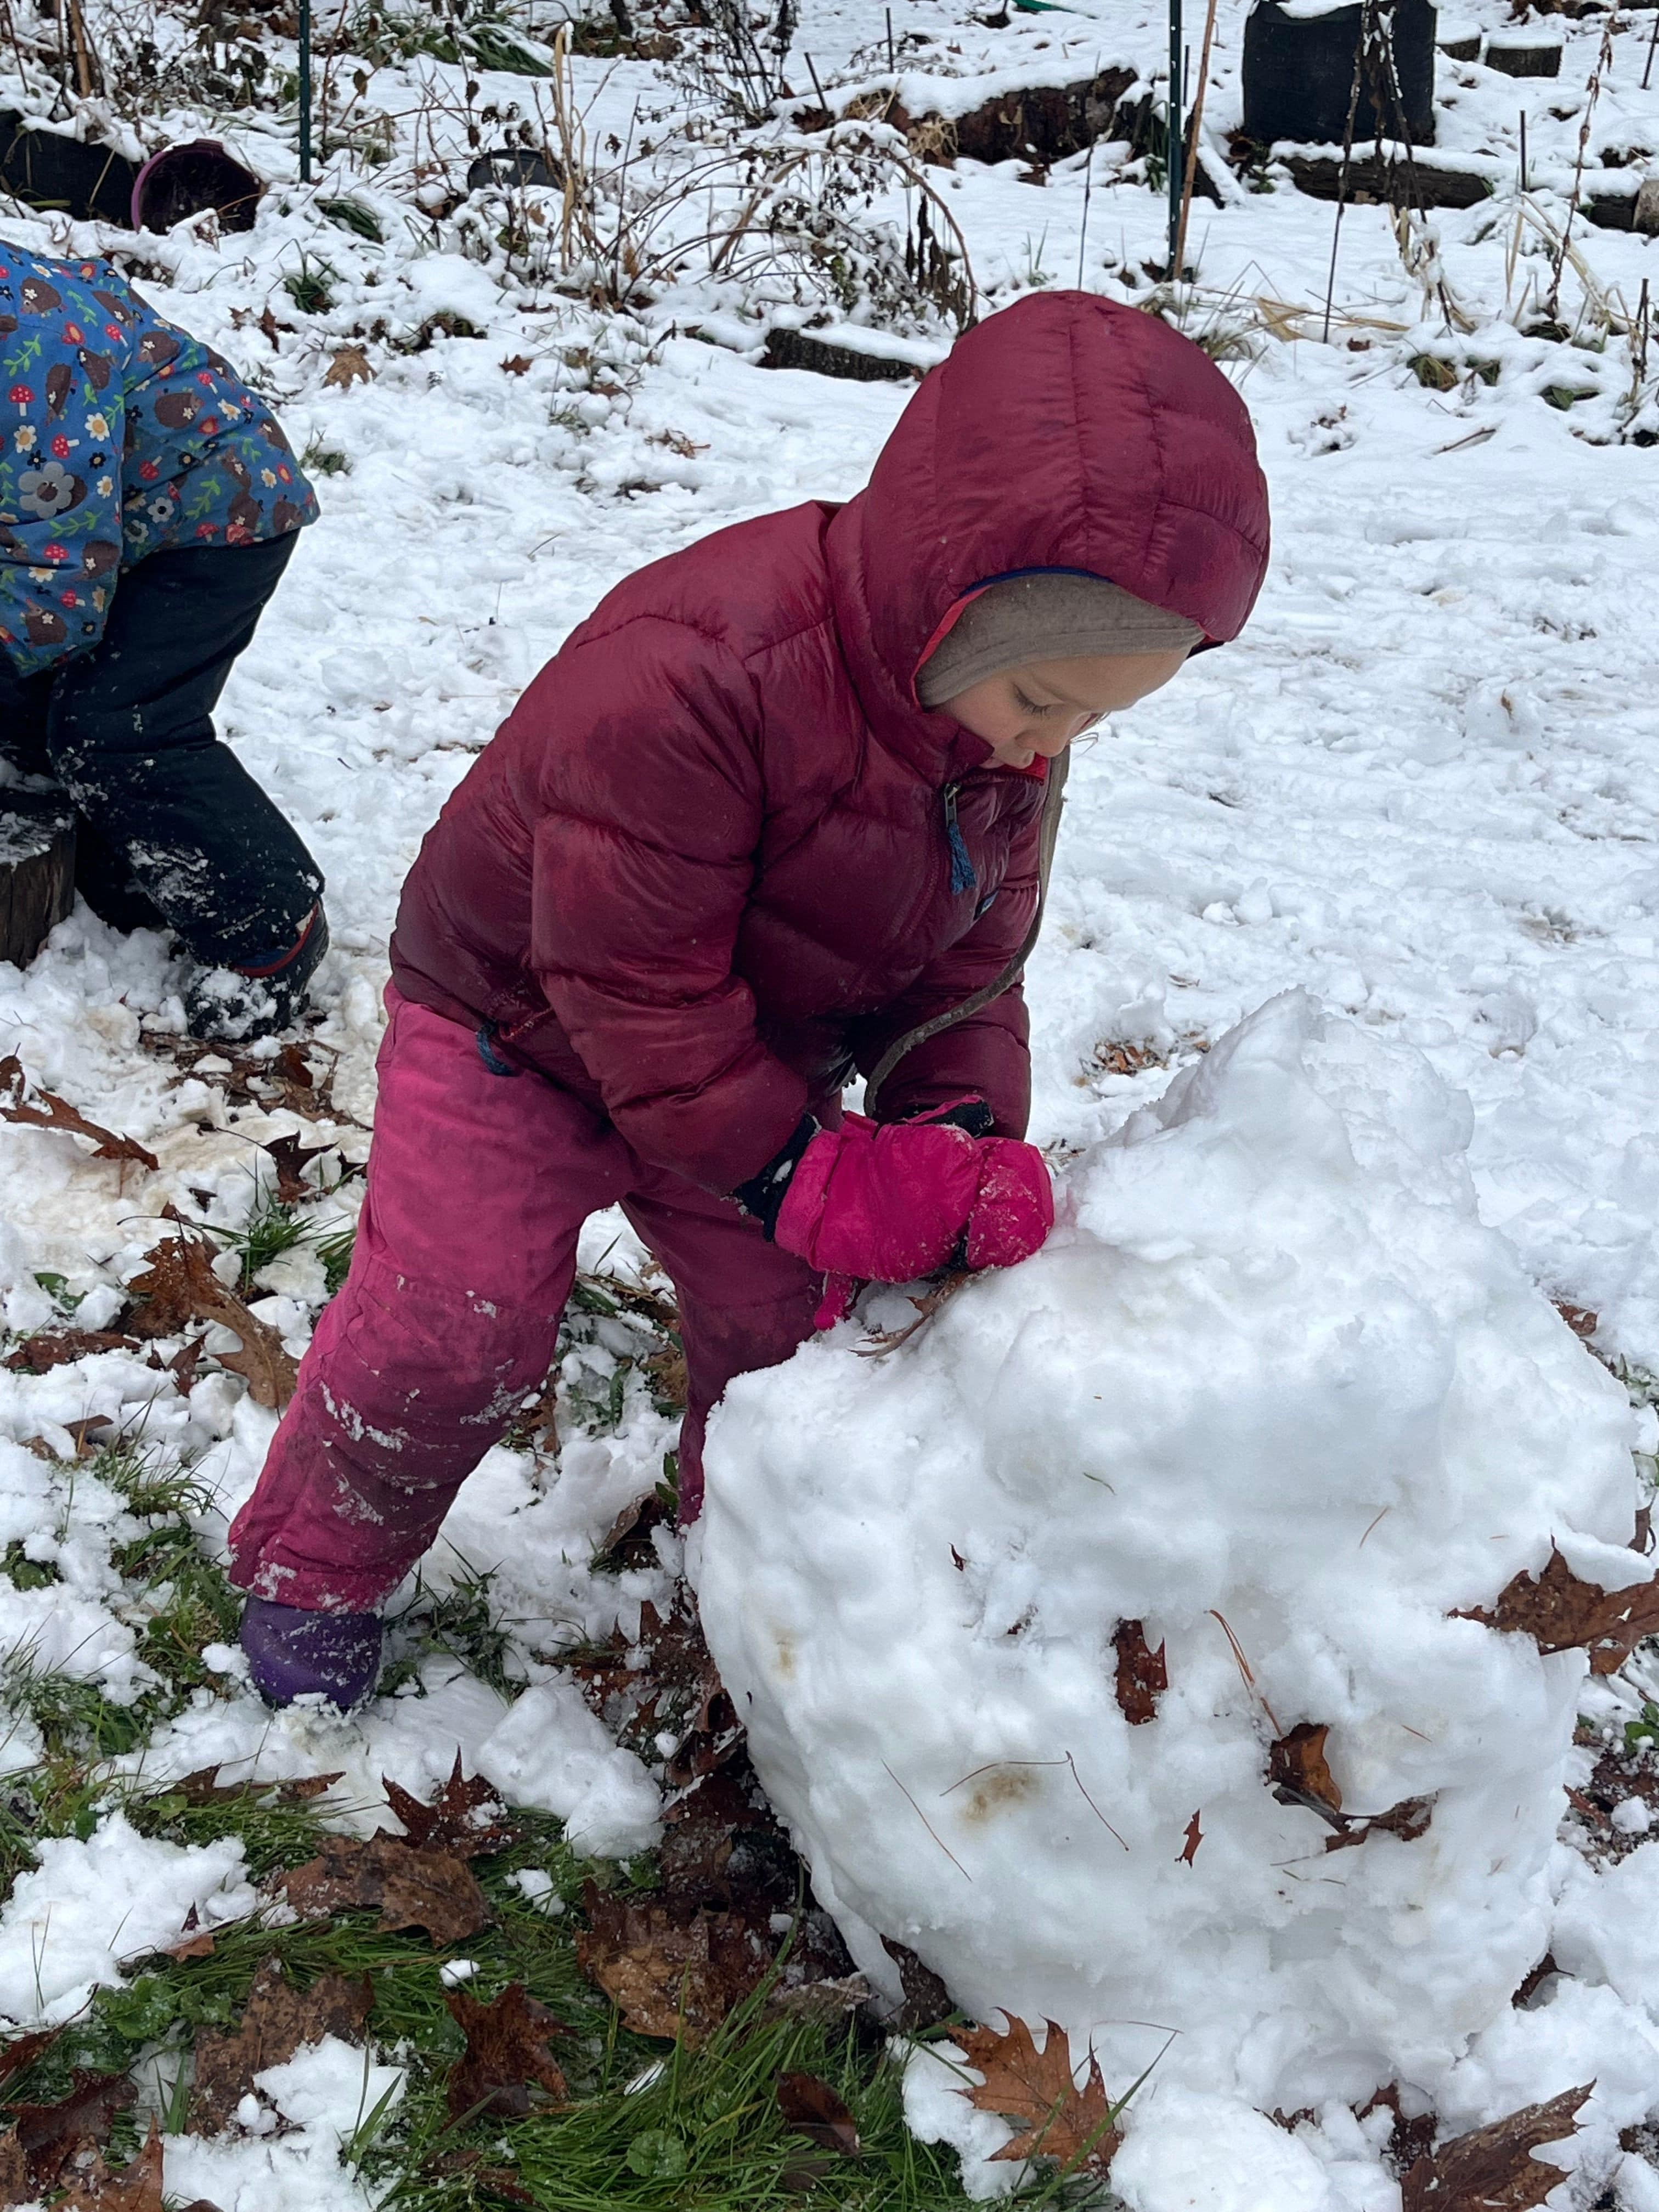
[1273,1391]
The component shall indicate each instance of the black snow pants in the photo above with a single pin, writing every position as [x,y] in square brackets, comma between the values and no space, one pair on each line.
[173,831]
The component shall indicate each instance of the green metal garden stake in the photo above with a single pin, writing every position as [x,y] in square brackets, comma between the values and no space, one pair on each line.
[305,90]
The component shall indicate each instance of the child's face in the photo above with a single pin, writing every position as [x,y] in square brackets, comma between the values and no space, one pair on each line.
[1041,709]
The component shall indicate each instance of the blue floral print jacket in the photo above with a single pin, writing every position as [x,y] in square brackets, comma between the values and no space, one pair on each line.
[119,437]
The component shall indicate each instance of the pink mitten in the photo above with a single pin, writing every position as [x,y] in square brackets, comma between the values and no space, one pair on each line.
[1015,1208]
[886,1201]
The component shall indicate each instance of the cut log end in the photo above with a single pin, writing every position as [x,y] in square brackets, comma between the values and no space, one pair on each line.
[36,871]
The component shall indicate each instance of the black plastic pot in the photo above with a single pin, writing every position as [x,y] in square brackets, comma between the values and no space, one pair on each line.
[183,180]
[69,175]
[514,168]
[1299,75]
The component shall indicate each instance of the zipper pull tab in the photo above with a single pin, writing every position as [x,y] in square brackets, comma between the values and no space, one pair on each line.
[962,878]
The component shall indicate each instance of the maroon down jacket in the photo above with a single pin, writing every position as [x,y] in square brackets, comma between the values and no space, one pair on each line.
[704,871]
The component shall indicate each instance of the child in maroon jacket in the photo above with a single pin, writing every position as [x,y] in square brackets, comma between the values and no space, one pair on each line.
[778,813]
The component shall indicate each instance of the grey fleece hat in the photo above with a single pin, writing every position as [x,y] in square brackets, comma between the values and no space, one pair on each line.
[1051,615]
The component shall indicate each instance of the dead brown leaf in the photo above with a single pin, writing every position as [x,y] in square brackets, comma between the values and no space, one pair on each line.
[49,2135]
[1580,1319]
[1408,1819]
[1143,1674]
[927,1999]
[1408,2139]
[276,2021]
[670,1379]
[289,1155]
[812,2108]
[722,1847]
[179,1286]
[48,1112]
[516,364]
[1195,1836]
[23,2049]
[627,1541]
[1298,1770]
[1126,1059]
[136,2188]
[204,1787]
[1035,2089]
[1492,2169]
[409,1888]
[1561,1612]
[56,1347]
[506,2056]
[670,1976]
[16,2187]
[466,1817]
[349,365]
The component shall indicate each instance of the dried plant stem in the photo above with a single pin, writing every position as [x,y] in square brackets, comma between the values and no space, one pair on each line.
[1603,63]
[1194,128]
[1091,1803]
[16,45]
[1342,179]
[1246,1670]
[928,1824]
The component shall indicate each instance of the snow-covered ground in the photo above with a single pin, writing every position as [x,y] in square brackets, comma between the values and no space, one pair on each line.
[1418,786]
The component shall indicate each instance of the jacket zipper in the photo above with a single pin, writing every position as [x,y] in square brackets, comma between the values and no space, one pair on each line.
[963,877]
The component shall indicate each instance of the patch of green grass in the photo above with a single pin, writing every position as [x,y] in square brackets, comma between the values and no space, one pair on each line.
[598,1403]
[308,286]
[188,1599]
[704,2131]
[479,36]
[320,460]
[75,1718]
[352,216]
[276,1831]
[458,1623]
[24,1573]
[273,1227]
[334,1249]
[196,1605]
[155,1486]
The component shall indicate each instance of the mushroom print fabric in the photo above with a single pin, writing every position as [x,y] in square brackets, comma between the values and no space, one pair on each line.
[120,436]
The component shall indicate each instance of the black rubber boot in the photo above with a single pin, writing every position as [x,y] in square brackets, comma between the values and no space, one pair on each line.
[234,1005]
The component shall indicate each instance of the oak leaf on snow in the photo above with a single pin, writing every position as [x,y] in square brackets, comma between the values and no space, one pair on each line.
[1560,1611]
[179,1286]
[1492,2169]
[1035,2089]
[50,1112]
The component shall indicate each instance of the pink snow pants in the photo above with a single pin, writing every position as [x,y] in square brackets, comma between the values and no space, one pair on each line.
[466,1252]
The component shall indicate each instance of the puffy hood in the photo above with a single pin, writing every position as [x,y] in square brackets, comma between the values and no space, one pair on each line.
[1066,432]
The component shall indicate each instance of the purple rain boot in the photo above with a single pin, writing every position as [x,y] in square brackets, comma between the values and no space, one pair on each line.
[293,1653]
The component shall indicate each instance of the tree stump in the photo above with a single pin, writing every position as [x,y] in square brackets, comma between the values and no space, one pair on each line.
[36,871]
[1527,53]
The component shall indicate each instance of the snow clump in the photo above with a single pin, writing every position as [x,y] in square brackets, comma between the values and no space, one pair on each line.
[1273,1392]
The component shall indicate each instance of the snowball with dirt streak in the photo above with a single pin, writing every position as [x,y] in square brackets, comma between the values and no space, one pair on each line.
[1273,1391]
